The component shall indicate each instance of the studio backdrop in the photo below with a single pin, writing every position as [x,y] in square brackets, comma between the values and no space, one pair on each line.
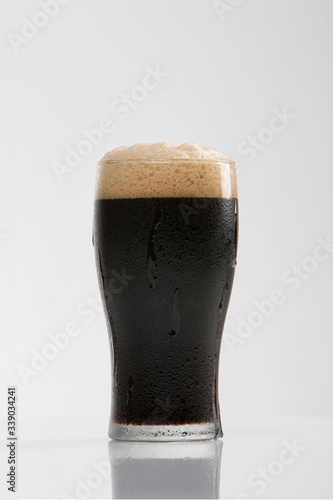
[252,79]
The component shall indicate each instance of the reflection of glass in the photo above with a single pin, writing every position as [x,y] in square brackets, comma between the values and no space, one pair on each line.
[165,470]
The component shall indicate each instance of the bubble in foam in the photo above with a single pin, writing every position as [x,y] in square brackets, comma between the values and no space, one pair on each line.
[162,170]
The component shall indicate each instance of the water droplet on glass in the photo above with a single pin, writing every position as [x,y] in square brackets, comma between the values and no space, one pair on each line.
[175,315]
[129,400]
[151,253]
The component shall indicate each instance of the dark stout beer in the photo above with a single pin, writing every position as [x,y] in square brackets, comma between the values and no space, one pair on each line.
[165,267]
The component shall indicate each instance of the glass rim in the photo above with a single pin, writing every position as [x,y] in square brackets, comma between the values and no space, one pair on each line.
[168,160]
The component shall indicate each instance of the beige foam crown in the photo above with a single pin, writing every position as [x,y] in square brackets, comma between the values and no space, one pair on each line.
[161,170]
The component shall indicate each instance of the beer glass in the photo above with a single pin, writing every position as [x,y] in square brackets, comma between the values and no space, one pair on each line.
[165,238]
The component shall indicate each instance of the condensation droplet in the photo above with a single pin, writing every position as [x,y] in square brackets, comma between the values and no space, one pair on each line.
[151,253]
[175,315]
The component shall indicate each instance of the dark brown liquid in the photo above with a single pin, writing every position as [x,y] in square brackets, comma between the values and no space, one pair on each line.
[166,268]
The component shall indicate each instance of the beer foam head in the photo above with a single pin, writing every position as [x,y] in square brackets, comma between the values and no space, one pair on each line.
[164,171]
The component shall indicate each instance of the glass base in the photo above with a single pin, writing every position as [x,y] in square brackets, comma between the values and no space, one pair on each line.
[186,432]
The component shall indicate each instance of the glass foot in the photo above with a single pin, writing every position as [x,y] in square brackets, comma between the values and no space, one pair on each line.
[186,432]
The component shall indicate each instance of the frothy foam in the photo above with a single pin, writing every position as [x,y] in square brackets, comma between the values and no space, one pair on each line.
[162,170]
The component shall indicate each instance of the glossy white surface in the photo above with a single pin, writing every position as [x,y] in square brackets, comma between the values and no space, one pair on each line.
[74,459]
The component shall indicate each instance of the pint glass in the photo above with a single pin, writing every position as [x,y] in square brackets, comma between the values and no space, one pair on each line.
[165,238]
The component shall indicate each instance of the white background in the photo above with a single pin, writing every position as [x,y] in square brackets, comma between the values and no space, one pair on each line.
[226,75]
